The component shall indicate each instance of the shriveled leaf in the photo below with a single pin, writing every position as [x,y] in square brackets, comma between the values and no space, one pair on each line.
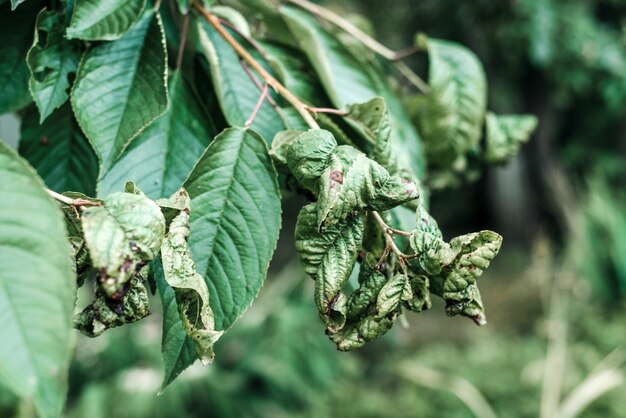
[353,182]
[51,60]
[96,20]
[427,242]
[236,92]
[371,282]
[328,258]
[122,235]
[59,151]
[160,158]
[395,290]
[419,299]
[120,88]
[235,220]
[464,261]
[104,312]
[192,294]
[307,156]
[450,117]
[506,134]
[37,289]
[17,38]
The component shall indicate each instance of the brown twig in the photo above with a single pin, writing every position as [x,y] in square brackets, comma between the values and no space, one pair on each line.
[72,202]
[183,41]
[257,106]
[267,77]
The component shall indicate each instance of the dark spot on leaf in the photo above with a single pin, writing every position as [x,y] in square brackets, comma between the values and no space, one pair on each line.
[44,140]
[337,176]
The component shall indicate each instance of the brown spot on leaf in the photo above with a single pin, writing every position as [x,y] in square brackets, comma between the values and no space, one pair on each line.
[336,176]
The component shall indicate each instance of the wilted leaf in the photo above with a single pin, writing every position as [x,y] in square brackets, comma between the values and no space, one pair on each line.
[506,134]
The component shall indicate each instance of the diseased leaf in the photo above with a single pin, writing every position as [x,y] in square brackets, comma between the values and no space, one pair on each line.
[394,291]
[122,235]
[192,294]
[16,41]
[450,116]
[329,259]
[354,182]
[236,92]
[307,156]
[51,60]
[120,88]
[104,312]
[371,281]
[427,242]
[464,261]
[420,300]
[37,289]
[161,157]
[95,20]
[506,134]
[59,151]
[235,220]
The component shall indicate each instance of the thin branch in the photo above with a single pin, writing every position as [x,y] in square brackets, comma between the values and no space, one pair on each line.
[267,77]
[248,39]
[157,4]
[367,41]
[316,110]
[183,42]
[257,107]
[351,29]
[69,201]
[389,239]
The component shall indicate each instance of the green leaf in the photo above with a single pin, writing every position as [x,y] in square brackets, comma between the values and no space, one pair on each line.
[371,281]
[464,260]
[348,78]
[192,294]
[59,151]
[235,220]
[353,182]
[37,289]
[506,134]
[178,348]
[420,294]
[51,60]
[95,20]
[328,258]
[121,88]
[17,38]
[15,3]
[123,233]
[396,290]
[450,117]
[344,179]
[236,92]
[160,159]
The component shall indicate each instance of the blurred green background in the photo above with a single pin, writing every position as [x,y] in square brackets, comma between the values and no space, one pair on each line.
[554,345]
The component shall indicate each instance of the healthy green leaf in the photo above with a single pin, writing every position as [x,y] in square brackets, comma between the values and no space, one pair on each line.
[348,78]
[450,117]
[236,92]
[178,348]
[506,134]
[16,40]
[192,294]
[120,88]
[59,151]
[235,220]
[95,20]
[37,289]
[160,159]
[328,258]
[51,60]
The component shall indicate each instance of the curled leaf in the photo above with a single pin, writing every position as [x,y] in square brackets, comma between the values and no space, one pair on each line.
[192,294]
[394,291]
[506,134]
[328,258]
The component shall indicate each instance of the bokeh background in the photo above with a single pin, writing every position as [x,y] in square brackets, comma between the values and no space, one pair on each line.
[555,342]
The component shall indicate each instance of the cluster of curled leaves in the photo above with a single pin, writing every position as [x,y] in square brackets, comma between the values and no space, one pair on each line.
[344,224]
[168,173]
